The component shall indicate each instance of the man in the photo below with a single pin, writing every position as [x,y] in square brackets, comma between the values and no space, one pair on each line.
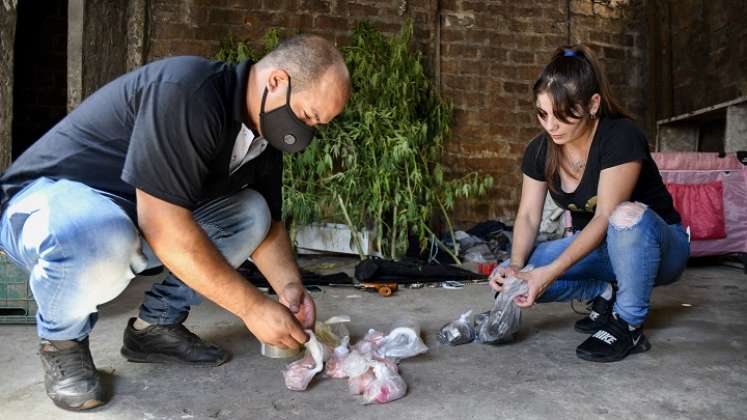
[168,165]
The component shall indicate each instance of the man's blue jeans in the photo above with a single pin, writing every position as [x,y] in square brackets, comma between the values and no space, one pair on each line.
[635,258]
[81,250]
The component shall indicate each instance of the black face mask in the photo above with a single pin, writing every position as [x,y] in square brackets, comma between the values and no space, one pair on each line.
[282,128]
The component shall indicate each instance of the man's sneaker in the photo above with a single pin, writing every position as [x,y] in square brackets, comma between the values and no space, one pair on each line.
[600,312]
[70,377]
[172,343]
[613,342]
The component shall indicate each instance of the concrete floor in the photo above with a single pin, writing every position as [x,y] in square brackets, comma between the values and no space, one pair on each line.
[697,368]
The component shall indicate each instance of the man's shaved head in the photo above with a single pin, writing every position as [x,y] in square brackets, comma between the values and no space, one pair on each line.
[307,58]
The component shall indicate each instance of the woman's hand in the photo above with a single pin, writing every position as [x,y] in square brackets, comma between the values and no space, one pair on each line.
[537,280]
[500,274]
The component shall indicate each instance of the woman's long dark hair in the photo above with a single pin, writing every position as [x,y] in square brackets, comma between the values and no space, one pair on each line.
[571,78]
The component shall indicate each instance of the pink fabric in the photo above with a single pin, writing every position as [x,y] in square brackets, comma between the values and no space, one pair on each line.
[734,181]
[696,161]
[701,207]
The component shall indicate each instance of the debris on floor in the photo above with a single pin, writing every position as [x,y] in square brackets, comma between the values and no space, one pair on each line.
[371,365]
[488,241]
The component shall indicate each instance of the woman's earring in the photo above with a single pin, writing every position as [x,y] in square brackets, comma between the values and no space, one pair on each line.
[593,115]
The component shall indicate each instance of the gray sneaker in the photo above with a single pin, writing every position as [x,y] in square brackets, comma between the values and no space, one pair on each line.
[70,377]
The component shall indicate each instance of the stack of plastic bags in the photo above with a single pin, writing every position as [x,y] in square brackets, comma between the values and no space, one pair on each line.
[495,327]
[370,366]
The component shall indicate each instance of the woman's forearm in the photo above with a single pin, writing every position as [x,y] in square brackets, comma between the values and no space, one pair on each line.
[587,240]
[522,243]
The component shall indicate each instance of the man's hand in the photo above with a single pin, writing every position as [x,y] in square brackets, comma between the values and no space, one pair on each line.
[537,280]
[272,323]
[297,299]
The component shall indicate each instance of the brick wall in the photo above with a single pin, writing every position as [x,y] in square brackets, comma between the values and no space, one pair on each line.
[490,53]
[198,26]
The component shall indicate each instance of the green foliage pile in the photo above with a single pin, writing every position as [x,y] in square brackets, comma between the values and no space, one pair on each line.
[378,165]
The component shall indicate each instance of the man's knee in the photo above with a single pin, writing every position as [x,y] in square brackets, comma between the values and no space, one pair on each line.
[238,224]
[627,215]
[100,254]
[98,236]
[256,214]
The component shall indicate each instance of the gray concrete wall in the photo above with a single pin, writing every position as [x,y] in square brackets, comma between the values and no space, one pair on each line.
[735,138]
[7,42]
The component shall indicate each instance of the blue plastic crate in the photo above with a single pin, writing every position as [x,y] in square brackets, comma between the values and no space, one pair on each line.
[17,305]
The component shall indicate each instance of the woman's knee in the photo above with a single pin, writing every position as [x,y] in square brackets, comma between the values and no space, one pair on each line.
[627,215]
[630,225]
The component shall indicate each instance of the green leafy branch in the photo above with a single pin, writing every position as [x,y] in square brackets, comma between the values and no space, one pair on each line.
[378,165]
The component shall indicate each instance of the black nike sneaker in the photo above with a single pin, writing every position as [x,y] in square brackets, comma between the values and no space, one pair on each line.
[613,342]
[601,310]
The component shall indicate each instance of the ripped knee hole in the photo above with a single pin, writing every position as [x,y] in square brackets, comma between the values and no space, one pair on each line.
[627,214]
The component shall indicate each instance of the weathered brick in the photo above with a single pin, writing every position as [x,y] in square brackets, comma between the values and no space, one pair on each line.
[331,23]
[613,53]
[530,41]
[361,10]
[274,4]
[521,57]
[226,17]
[172,31]
[461,51]
[477,36]
[315,5]
[494,54]
[502,102]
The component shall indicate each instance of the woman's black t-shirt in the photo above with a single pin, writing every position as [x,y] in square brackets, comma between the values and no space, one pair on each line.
[616,141]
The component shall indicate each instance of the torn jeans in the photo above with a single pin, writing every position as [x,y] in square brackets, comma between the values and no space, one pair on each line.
[636,258]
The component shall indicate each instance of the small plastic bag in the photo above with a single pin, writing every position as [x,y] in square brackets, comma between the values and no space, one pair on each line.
[332,331]
[370,342]
[333,367]
[403,341]
[459,331]
[388,385]
[504,320]
[389,362]
[357,385]
[356,363]
[299,374]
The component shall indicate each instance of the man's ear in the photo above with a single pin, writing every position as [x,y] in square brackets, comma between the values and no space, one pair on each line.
[277,78]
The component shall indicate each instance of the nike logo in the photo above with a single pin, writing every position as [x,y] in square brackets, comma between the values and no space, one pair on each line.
[636,340]
[605,337]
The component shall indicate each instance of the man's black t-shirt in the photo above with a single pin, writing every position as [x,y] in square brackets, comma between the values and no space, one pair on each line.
[616,141]
[167,128]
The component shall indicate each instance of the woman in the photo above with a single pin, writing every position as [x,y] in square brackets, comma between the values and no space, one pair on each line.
[627,237]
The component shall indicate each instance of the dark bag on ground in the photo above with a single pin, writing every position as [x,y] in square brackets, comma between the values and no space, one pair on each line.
[408,271]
